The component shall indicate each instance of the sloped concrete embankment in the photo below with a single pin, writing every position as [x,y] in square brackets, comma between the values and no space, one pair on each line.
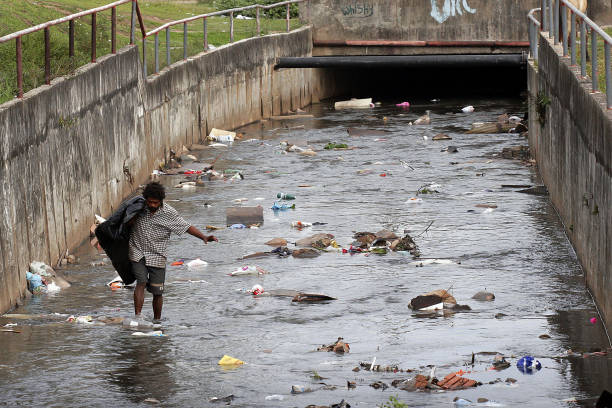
[570,135]
[82,144]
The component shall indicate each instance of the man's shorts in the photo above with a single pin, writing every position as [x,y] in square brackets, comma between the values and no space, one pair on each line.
[153,277]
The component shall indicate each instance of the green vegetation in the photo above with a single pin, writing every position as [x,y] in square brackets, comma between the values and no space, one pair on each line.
[334,145]
[542,103]
[278,12]
[16,15]
[394,403]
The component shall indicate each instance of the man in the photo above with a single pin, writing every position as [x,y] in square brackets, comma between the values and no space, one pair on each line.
[148,245]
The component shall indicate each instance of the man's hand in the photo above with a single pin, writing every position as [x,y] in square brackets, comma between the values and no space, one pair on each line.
[198,234]
[209,238]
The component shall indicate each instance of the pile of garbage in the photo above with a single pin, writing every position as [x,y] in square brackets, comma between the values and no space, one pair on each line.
[381,242]
[43,279]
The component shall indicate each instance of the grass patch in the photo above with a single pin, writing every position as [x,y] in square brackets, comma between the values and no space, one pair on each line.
[16,15]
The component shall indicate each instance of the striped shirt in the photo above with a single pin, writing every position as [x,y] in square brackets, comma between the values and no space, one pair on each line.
[151,233]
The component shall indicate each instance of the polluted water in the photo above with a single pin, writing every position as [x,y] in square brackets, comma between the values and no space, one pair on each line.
[517,251]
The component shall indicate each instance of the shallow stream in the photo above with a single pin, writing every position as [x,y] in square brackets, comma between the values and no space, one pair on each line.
[517,250]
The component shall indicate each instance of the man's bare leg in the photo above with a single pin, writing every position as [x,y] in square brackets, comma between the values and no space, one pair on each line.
[139,298]
[158,302]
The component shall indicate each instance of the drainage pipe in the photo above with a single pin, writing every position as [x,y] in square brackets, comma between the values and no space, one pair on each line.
[405,61]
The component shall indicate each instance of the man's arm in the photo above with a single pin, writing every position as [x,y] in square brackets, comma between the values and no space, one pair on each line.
[198,234]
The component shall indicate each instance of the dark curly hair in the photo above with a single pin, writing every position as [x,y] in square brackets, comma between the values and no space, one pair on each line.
[154,190]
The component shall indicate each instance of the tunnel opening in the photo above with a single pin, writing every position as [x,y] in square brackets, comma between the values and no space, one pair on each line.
[430,83]
[426,76]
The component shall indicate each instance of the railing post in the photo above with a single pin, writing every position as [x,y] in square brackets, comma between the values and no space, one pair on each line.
[184,41]
[168,46]
[583,48]
[608,76]
[288,17]
[543,16]
[156,53]
[531,38]
[47,57]
[71,38]
[258,22]
[205,34]
[133,24]
[231,26]
[573,38]
[564,29]
[556,21]
[19,68]
[93,37]
[144,57]
[594,75]
[551,19]
[114,30]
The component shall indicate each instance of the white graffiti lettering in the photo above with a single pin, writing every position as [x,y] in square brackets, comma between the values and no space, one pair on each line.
[450,8]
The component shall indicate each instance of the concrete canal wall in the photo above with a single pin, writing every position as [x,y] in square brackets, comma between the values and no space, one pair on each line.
[570,135]
[82,144]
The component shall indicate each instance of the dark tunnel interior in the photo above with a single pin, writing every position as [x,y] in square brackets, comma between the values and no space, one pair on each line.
[392,83]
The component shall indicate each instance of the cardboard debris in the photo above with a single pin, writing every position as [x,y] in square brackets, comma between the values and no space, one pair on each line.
[244,215]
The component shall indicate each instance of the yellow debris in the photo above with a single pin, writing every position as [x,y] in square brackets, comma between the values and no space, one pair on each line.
[227,360]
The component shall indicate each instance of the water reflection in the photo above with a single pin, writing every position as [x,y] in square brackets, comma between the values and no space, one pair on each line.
[143,368]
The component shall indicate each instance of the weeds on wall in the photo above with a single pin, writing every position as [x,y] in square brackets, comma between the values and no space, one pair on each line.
[542,102]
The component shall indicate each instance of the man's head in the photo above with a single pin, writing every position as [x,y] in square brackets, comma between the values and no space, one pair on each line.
[154,194]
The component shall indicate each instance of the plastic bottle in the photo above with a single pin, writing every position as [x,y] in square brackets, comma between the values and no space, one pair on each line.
[134,322]
[285,196]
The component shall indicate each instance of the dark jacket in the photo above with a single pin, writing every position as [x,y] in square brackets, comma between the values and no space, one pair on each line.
[114,236]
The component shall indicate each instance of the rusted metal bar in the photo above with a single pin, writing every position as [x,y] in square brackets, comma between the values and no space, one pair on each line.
[573,38]
[47,56]
[65,19]
[140,22]
[19,68]
[93,37]
[388,43]
[71,38]
[288,17]
[114,30]
[232,27]
[222,13]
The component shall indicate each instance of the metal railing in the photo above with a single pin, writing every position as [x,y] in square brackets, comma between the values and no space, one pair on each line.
[70,19]
[166,27]
[554,15]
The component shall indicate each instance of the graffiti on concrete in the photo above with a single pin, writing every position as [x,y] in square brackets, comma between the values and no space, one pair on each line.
[358,9]
[449,9]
